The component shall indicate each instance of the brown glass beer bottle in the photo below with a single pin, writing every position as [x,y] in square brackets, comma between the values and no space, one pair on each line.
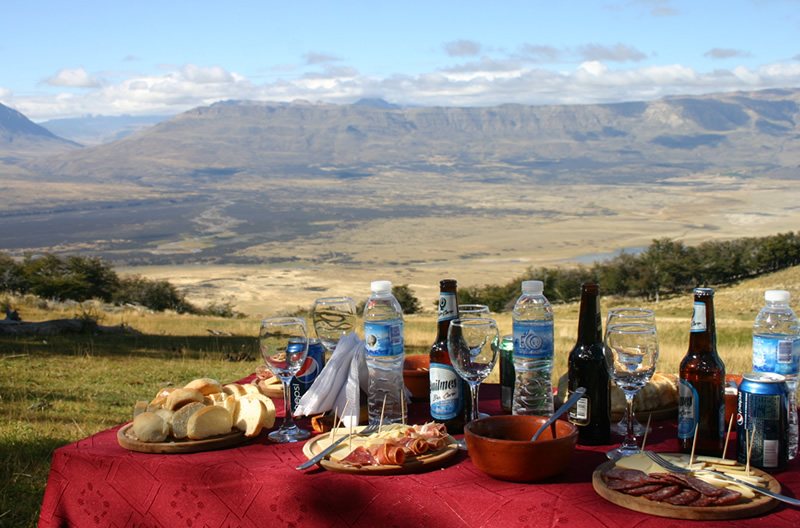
[701,385]
[587,368]
[447,393]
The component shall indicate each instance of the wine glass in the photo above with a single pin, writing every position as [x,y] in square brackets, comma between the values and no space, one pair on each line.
[471,311]
[631,352]
[473,345]
[284,346]
[333,318]
[622,316]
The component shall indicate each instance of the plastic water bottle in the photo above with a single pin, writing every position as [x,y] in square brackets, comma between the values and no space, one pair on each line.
[533,351]
[383,332]
[776,349]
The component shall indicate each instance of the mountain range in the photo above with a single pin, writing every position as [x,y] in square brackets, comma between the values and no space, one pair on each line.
[224,165]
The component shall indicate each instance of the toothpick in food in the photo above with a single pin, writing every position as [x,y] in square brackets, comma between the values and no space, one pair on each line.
[728,435]
[646,430]
[694,441]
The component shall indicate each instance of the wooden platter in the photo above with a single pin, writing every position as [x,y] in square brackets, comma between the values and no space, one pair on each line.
[415,464]
[744,508]
[128,440]
[272,389]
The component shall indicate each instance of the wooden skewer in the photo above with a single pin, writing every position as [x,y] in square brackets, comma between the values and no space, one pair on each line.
[749,441]
[727,436]
[335,424]
[403,405]
[383,408]
[646,430]
[694,442]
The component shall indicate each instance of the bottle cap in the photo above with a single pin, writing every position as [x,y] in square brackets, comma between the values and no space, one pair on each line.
[777,296]
[532,286]
[382,286]
[703,292]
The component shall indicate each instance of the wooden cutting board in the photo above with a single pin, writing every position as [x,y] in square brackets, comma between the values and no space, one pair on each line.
[128,440]
[745,508]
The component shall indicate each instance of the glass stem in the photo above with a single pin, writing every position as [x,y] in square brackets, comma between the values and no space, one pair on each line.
[473,390]
[288,419]
[630,438]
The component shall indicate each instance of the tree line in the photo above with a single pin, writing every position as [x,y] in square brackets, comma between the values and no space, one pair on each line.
[79,278]
[667,266]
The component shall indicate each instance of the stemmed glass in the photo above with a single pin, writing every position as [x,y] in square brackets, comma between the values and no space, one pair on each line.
[631,352]
[471,311]
[624,316]
[284,346]
[333,318]
[473,345]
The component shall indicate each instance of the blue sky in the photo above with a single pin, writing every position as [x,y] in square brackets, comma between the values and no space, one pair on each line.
[69,59]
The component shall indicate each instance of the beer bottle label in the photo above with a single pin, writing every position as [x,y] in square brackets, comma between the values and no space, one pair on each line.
[533,340]
[445,392]
[447,306]
[581,412]
[699,317]
[687,409]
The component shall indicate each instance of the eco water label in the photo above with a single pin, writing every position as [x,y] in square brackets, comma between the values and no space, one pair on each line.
[687,409]
[699,317]
[447,306]
[776,354]
[446,400]
[533,340]
[383,340]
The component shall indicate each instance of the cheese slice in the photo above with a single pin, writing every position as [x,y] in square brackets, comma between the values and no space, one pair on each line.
[641,462]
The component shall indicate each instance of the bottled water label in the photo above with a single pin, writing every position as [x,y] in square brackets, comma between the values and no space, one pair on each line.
[776,354]
[448,309]
[699,317]
[445,392]
[383,340]
[533,340]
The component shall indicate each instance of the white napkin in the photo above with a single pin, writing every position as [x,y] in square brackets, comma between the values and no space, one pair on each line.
[339,383]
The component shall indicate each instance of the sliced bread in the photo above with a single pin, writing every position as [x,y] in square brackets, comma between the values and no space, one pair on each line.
[209,421]
[180,420]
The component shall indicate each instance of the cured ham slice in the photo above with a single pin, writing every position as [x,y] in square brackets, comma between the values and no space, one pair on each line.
[359,457]
[388,454]
[413,446]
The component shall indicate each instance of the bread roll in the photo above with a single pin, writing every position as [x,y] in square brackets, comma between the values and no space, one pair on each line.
[205,385]
[139,408]
[209,421]
[234,389]
[150,427]
[180,397]
[180,420]
[250,416]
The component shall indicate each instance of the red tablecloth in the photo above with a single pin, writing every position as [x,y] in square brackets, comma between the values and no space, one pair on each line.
[95,482]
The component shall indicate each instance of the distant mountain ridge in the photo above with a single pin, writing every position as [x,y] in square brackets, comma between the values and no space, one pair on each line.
[755,133]
[21,137]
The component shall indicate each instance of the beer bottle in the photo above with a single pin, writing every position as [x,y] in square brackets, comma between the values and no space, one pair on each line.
[701,386]
[587,368]
[447,398]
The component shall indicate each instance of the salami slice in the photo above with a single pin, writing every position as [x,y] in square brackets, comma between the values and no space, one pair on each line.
[728,496]
[702,501]
[683,498]
[664,493]
[643,490]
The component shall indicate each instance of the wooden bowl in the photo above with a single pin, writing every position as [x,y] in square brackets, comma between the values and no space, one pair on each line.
[501,447]
[417,377]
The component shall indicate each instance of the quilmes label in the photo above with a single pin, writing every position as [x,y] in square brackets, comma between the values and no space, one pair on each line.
[383,340]
[533,340]
[447,306]
[446,401]
[699,317]
[777,354]
[687,409]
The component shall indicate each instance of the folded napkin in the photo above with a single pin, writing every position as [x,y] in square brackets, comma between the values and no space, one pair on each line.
[339,384]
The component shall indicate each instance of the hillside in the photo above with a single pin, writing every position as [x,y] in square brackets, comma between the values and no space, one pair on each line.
[21,138]
[754,133]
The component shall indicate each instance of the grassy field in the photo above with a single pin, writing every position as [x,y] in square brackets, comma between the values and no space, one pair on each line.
[59,389]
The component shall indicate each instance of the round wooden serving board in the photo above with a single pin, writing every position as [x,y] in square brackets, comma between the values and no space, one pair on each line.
[413,464]
[744,508]
[129,441]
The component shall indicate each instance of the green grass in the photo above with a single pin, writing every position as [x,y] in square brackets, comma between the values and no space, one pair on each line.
[59,389]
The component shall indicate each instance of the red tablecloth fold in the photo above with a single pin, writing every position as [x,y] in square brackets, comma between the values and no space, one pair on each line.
[95,482]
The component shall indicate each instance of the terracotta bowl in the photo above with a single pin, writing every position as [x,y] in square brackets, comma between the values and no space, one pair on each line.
[501,447]
[417,377]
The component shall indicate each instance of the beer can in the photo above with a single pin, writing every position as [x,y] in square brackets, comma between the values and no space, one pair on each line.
[762,421]
[507,376]
[315,361]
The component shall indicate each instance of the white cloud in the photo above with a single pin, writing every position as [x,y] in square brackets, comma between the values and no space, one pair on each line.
[462,48]
[74,78]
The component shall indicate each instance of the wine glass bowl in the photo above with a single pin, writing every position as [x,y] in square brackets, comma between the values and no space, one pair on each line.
[472,311]
[284,346]
[333,318]
[473,345]
[631,353]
